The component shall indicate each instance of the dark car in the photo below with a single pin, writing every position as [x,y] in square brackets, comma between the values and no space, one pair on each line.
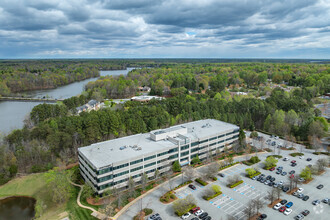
[262,216]
[221,174]
[293,164]
[272,179]
[263,180]
[203,215]
[305,213]
[320,186]
[272,169]
[285,189]
[194,218]
[292,172]
[284,173]
[279,168]
[268,177]
[191,186]
[278,171]
[271,184]
[305,198]
[309,159]
[207,218]
[283,201]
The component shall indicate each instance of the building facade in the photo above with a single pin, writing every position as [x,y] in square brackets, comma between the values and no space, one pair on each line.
[111,163]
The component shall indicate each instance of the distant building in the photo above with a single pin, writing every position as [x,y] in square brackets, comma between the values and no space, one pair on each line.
[145,98]
[144,89]
[110,164]
[91,105]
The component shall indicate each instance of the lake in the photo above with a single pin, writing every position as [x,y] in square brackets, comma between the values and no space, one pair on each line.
[17,208]
[12,114]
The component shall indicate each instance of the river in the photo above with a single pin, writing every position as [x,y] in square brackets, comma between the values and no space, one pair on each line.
[12,114]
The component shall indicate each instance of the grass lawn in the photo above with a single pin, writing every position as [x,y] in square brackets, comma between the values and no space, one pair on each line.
[34,185]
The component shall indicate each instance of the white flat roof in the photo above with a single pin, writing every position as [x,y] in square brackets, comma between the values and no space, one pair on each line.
[105,153]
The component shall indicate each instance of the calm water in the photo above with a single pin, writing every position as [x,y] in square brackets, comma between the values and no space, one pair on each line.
[12,114]
[17,208]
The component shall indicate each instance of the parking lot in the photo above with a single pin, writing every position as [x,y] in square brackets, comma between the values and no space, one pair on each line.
[233,201]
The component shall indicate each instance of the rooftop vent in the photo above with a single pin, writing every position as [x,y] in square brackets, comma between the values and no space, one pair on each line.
[123,147]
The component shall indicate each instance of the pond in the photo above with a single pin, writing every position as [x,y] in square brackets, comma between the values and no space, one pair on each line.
[17,208]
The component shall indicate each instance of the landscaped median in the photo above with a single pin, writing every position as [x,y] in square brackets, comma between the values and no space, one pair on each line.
[202,182]
[212,192]
[296,154]
[235,184]
[169,196]
[230,165]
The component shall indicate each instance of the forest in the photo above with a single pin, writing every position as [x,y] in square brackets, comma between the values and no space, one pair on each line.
[196,91]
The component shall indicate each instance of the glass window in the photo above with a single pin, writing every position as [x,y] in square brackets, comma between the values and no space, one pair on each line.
[136,161]
[184,153]
[173,150]
[150,164]
[173,156]
[150,157]
[162,154]
[184,147]
[136,168]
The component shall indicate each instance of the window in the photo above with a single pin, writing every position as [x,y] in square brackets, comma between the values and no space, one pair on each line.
[183,159]
[194,150]
[201,142]
[220,136]
[137,168]
[184,153]
[161,161]
[120,166]
[213,144]
[173,156]
[150,157]
[194,144]
[136,161]
[184,147]
[150,171]
[211,139]
[102,179]
[120,174]
[173,150]
[162,154]
[137,175]
[219,142]
[150,164]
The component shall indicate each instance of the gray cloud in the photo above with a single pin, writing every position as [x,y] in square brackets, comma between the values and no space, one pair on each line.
[148,28]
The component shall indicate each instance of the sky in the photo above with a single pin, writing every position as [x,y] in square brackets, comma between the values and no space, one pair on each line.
[165,29]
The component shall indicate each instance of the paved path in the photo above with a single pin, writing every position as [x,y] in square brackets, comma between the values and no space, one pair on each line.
[95,213]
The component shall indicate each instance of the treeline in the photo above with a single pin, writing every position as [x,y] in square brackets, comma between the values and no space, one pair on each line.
[19,76]
[314,79]
[57,138]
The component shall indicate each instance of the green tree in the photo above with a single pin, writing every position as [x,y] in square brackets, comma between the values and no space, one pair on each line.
[306,173]
[176,167]
[216,188]
[59,185]
[250,171]
[270,162]
[195,160]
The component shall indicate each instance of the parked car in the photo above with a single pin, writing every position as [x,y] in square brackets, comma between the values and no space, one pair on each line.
[283,201]
[194,210]
[300,190]
[305,213]
[293,161]
[272,169]
[284,173]
[287,211]
[272,179]
[268,177]
[293,164]
[309,159]
[191,186]
[185,216]
[292,176]
[289,204]
[282,209]
[316,202]
[273,143]
[254,178]
[305,198]
[285,159]
[275,185]
[285,189]
[262,216]
[279,168]
[221,174]
[207,218]
[295,193]
[277,206]
[199,212]
[320,186]
[292,172]
[300,195]
[281,182]
[154,217]
[278,171]
[301,157]
[203,215]
[301,179]
[195,218]
[299,217]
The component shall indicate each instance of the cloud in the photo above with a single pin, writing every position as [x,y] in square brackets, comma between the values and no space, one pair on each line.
[159,28]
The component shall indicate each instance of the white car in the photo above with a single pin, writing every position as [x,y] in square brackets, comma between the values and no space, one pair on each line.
[277,206]
[185,216]
[301,157]
[300,190]
[199,212]
[285,158]
[287,211]
[280,183]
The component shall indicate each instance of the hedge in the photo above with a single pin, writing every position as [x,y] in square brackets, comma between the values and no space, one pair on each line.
[296,154]
[236,184]
[277,156]
[221,168]
[167,196]
[200,181]
[318,153]
[213,196]
[147,211]
[186,210]
[214,178]
[256,174]
[183,184]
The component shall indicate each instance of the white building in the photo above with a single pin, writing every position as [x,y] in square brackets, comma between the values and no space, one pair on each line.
[111,163]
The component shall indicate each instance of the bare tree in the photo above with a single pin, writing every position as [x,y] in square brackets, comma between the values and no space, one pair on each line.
[296,181]
[258,204]
[156,175]
[271,195]
[262,143]
[189,173]
[249,211]
[315,142]
[321,164]
[236,147]
[290,182]
[233,179]
[279,151]
[301,147]
[144,181]
[131,187]
[212,170]
[278,192]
